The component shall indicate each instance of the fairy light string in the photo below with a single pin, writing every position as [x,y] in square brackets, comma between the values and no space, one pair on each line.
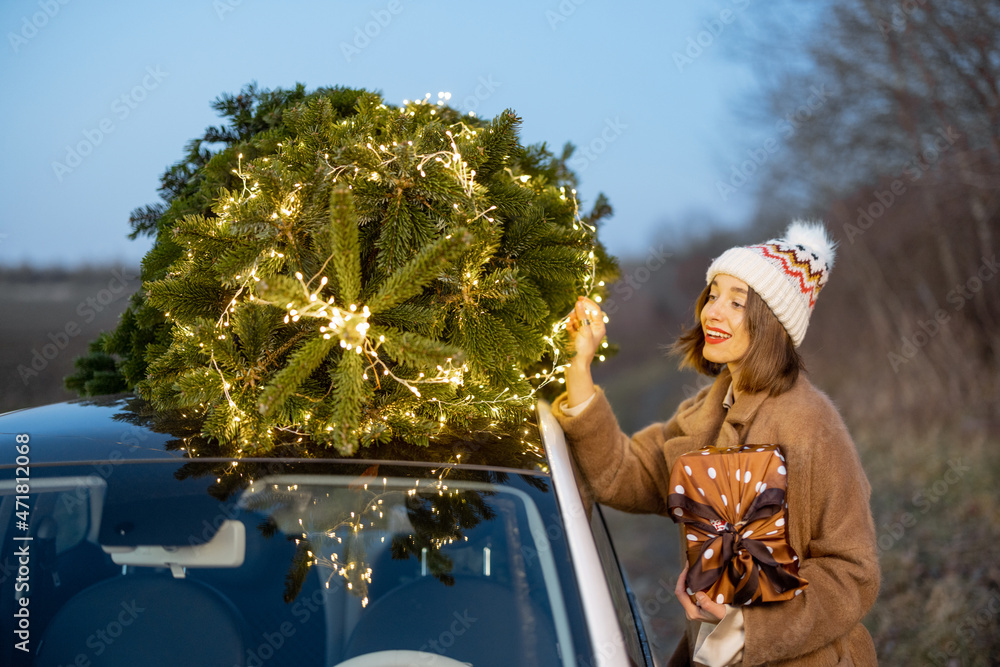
[340,542]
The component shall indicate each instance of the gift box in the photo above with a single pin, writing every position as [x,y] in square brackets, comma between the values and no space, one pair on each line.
[731,504]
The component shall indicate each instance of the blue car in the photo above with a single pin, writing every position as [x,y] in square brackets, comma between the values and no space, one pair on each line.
[127,539]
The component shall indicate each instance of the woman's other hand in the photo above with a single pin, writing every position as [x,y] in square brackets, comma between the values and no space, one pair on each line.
[705,610]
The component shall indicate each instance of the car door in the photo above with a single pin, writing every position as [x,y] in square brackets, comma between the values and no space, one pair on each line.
[621,593]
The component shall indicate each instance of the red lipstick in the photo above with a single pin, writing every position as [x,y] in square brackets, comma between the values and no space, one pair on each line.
[712,340]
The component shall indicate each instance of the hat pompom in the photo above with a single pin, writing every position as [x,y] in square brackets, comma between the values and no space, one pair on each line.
[813,236]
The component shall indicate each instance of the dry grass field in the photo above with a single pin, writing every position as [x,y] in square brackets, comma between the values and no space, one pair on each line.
[47,318]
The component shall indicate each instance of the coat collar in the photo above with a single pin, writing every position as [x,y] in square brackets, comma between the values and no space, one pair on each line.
[744,409]
[709,413]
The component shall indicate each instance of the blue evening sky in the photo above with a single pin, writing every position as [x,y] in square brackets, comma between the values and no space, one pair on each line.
[102,96]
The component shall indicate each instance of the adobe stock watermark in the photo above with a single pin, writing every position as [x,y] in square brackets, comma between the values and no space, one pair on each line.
[899,19]
[958,296]
[983,618]
[705,39]
[363,35]
[740,175]
[605,653]
[692,390]
[71,502]
[30,26]
[447,638]
[87,310]
[554,531]
[105,635]
[565,9]
[913,171]
[664,596]
[632,281]
[596,147]
[304,609]
[487,85]
[923,500]
[223,7]
[121,108]
[543,540]
[271,644]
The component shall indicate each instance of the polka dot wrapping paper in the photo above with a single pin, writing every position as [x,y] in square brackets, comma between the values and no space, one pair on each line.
[731,504]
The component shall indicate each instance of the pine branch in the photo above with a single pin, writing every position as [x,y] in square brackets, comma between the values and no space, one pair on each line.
[301,364]
[189,296]
[412,277]
[144,219]
[499,143]
[350,392]
[419,351]
[344,244]
[254,326]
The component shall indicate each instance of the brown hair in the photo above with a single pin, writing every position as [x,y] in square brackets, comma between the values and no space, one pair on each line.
[771,362]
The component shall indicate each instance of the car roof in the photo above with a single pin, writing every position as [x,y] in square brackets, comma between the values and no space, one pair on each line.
[124,427]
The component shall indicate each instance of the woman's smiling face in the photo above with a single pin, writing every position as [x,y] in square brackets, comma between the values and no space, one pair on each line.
[723,320]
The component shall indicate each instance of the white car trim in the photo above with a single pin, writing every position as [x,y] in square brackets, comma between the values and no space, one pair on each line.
[602,622]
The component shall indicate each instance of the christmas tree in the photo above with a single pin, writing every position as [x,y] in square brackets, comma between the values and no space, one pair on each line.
[346,273]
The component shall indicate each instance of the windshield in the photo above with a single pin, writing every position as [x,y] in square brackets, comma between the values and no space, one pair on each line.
[311,564]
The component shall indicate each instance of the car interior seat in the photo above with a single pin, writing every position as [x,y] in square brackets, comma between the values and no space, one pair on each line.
[146,618]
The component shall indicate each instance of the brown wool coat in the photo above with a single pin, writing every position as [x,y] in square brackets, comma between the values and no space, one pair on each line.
[830,524]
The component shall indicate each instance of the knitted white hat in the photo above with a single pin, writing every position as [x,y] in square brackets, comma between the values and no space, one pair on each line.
[787,273]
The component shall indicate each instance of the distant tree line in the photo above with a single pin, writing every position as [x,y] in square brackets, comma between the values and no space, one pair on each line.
[902,160]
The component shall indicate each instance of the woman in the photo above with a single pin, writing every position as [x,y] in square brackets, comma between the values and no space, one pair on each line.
[752,316]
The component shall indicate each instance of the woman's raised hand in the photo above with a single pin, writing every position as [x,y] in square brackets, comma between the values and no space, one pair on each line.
[586,327]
